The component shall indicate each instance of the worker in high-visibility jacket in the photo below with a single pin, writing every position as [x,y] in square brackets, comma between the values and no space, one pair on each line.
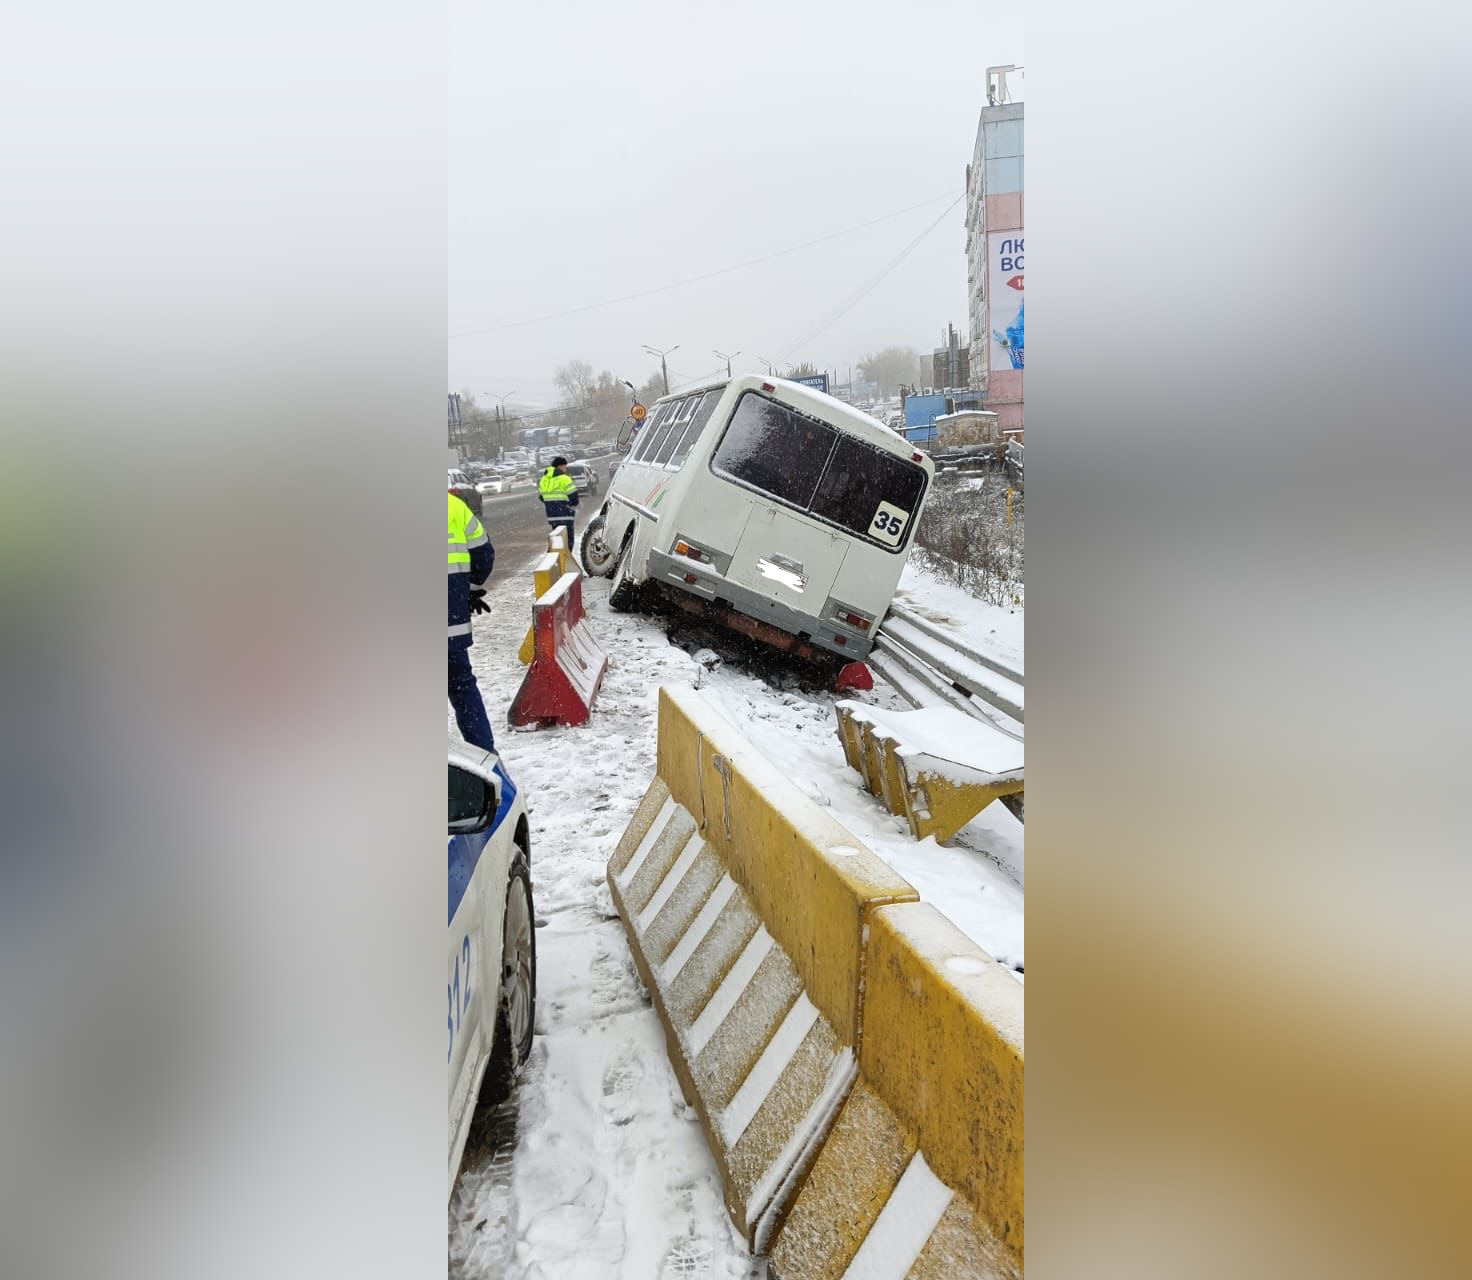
[559,496]
[471,559]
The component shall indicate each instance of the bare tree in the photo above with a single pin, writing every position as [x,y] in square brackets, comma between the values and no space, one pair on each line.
[889,368]
[576,381]
[651,390]
[804,370]
[608,400]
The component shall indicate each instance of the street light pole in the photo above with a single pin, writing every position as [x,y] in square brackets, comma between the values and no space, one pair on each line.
[721,355]
[501,422]
[771,368]
[663,367]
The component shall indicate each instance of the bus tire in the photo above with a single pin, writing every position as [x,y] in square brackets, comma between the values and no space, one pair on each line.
[597,556]
[623,595]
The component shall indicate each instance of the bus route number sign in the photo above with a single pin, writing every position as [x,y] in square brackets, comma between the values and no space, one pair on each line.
[888,524]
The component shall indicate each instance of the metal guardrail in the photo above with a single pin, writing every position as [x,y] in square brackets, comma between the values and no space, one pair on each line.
[930,667]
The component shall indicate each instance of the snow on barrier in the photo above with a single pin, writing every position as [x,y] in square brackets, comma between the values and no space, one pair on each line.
[545,573]
[557,546]
[921,1175]
[568,664]
[781,956]
[937,767]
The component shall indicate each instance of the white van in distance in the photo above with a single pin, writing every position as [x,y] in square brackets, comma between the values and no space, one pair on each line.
[780,511]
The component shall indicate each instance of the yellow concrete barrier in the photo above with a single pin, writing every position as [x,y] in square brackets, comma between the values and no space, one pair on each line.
[557,545]
[856,1061]
[921,1175]
[937,767]
[545,574]
[746,908]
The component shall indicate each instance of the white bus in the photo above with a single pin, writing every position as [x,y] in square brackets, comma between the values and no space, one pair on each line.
[781,512]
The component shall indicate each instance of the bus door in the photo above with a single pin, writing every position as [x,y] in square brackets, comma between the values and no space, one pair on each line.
[788,559]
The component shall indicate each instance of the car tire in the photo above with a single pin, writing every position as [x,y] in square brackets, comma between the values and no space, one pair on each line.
[516,1012]
[623,595]
[596,556]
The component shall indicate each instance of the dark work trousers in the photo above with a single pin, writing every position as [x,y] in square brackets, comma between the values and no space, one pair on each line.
[554,525]
[470,711]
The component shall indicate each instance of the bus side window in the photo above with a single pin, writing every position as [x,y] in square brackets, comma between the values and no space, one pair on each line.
[697,425]
[657,419]
[677,430]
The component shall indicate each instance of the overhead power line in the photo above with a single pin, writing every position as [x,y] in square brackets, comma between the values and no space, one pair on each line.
[854,299]
[708,275]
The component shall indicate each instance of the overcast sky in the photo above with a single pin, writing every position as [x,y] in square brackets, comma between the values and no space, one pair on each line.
[599,150]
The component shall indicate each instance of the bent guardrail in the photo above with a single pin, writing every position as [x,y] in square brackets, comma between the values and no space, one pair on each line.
[931,667]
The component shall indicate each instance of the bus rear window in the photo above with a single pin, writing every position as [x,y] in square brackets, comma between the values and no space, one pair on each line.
[869,491]
[773,449]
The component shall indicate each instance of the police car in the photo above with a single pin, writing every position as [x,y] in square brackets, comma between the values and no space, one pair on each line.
[492,971]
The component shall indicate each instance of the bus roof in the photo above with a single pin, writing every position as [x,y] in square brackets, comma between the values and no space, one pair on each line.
[816,403]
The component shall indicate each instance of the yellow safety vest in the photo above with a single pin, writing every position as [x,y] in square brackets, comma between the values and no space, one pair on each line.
[465,532]
[553,487]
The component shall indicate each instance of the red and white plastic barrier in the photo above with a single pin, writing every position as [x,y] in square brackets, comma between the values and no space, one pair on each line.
[567,664]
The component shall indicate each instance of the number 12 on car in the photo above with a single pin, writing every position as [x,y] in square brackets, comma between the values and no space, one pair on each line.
[888,524]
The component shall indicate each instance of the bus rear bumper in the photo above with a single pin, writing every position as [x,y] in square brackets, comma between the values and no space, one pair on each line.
[698,588]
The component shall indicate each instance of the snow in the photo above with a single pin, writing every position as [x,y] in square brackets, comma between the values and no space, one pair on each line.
[610,1174]
[994,628]
[672,880]
[651,838]
[732,987]
[773,1188]
[945,734]
[699,927]
[904,1225]
[764,1072]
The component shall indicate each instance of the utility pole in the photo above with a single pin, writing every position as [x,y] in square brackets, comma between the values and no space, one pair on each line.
[721,355]
[771,369]
[663,367]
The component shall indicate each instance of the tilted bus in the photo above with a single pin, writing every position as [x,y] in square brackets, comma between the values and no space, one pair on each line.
[781,512]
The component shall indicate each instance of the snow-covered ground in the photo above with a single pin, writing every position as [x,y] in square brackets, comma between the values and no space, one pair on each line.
[609,1175]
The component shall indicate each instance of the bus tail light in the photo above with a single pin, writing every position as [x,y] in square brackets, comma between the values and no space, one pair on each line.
[683,548]
[855,620]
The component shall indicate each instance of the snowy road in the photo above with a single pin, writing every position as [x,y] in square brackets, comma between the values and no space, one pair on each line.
[597,1168]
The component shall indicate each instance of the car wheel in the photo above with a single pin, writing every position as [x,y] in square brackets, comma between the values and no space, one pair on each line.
[623,595]
[596,555]
[516,1013]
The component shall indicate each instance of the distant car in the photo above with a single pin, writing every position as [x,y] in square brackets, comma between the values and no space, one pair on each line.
[584,476]
[492,975]
[461,487]
[493,485]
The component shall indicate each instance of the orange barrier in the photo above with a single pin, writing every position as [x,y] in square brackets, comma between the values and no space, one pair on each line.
[568,664]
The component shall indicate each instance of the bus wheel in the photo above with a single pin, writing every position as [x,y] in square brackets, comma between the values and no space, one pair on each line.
[597,555]
[623,595]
